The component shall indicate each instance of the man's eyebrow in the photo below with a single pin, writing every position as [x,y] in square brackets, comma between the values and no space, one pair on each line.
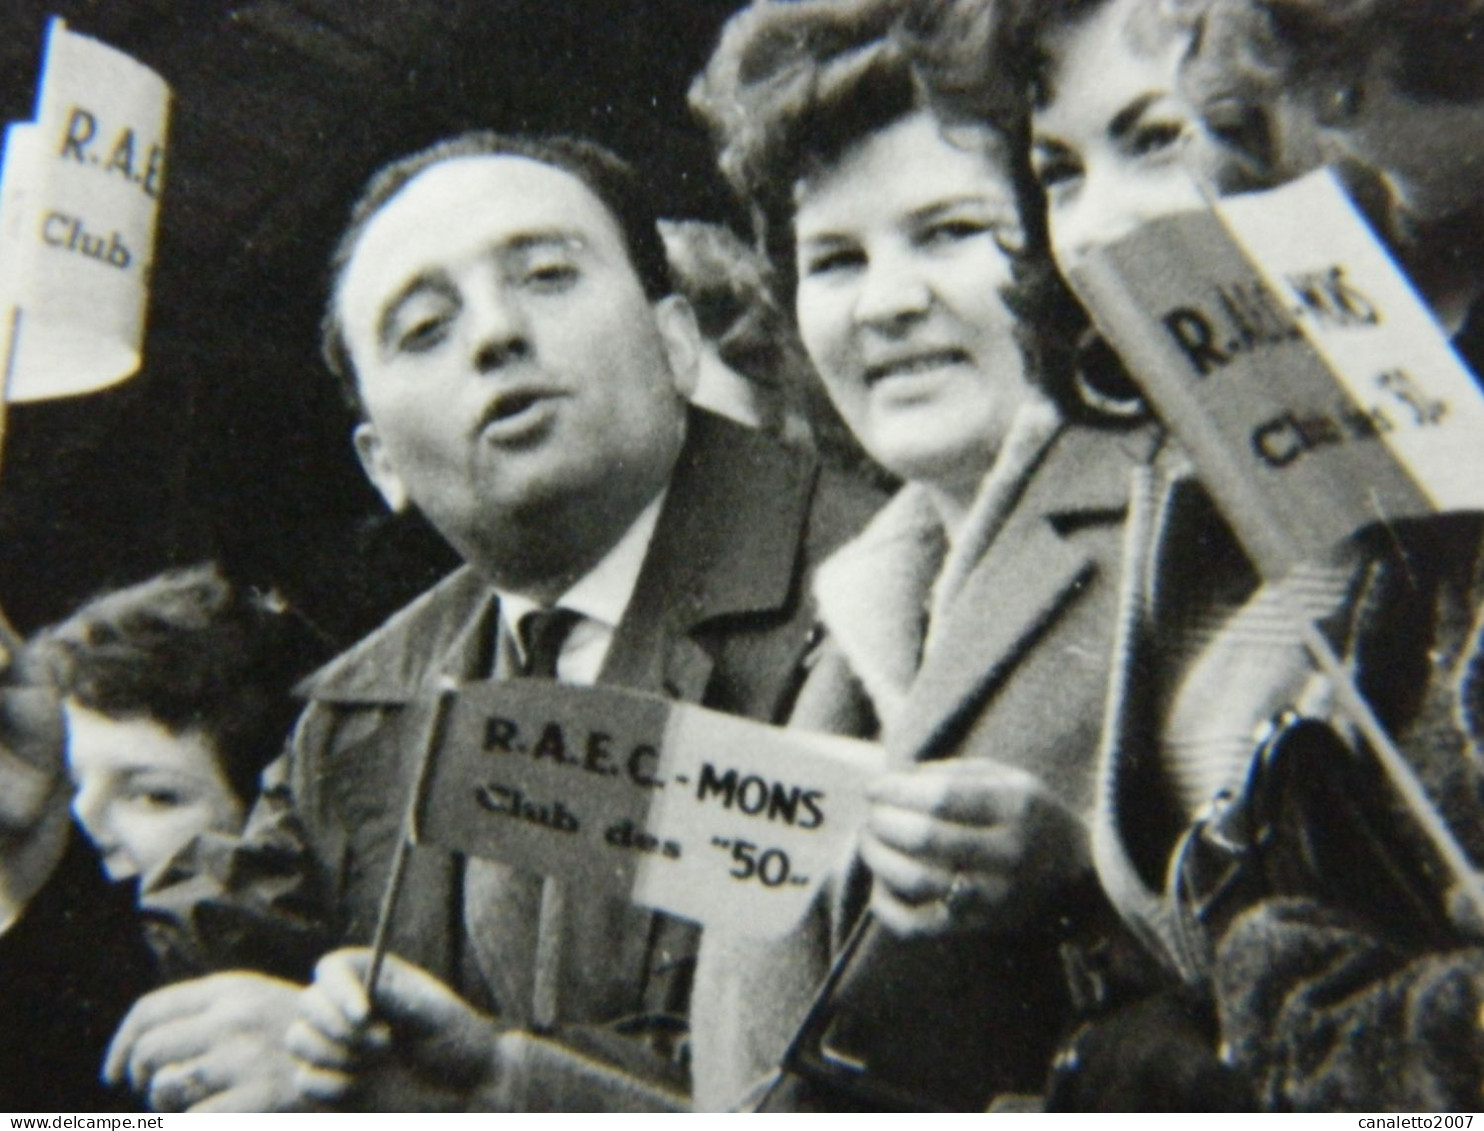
[422,281]
[1127,118]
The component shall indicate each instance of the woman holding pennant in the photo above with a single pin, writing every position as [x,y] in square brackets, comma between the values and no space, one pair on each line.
[1396,88]
[1345,981]
[970,627]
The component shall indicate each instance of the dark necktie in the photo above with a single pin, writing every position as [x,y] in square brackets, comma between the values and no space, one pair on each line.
[542,634]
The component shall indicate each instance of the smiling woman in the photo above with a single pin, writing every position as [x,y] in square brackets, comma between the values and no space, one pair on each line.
[901,300]
[970,627]
[143,792]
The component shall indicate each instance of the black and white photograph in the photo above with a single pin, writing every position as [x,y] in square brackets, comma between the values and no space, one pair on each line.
[809,556]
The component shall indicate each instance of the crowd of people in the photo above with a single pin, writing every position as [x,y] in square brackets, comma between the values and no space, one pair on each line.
[1128,850]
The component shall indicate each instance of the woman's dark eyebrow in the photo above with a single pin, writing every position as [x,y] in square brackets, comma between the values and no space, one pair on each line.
[822,239]
[130,773]
[553,237]
[1127,118]
[938,207]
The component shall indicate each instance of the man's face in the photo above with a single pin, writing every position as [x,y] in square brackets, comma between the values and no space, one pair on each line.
[514,375]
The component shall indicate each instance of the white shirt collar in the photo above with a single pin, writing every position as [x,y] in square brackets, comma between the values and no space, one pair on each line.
[602,594]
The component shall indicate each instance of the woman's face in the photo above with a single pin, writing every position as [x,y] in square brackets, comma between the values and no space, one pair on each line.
[1112,142]
[142,791]
[899,298]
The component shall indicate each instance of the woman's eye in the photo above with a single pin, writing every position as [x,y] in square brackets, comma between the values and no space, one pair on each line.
[157,797]
[1156,137]
[826,262]
[953,231]
[1055,171]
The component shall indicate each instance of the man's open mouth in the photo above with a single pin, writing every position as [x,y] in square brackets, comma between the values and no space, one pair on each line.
[511,415]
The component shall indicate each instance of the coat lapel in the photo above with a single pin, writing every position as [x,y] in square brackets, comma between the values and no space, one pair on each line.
[726,544]
[1031,574]
[1015,595]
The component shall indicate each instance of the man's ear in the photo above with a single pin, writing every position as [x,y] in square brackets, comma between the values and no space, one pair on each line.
[682,339]
[378,467]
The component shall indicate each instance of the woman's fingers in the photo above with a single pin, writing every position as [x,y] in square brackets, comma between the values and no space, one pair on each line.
[909,878]
[954,847]
[965,845]
[970,791]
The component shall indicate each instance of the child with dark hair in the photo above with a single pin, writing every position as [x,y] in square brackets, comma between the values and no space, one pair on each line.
[176,695]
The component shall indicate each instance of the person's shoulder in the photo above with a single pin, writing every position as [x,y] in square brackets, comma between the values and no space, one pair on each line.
[397,656]
[841,507]
[1087,468]
[755,488]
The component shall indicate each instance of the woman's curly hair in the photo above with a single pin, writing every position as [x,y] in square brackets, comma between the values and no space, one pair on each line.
[1438,45]
[794,83]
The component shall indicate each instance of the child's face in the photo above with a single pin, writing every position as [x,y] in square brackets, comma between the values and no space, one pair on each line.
[144,792]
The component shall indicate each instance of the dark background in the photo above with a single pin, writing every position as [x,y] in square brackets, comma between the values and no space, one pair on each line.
[232,443]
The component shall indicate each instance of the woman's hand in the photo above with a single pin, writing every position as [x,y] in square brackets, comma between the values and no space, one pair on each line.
[967,845]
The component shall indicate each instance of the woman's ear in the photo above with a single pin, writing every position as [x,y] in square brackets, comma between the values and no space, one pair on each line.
[378,467]
[682,339]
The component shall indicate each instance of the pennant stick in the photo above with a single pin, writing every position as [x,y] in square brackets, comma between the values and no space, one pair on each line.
[389,895]
[10,640]
[1402,776]
[12,345]
[823,997]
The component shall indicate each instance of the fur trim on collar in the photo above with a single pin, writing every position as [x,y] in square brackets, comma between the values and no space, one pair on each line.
[876,593]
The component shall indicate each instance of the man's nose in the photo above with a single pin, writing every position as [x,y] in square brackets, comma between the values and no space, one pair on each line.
[497,330]
[893,293]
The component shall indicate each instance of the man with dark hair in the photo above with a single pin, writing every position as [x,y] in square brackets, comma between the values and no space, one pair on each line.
[501,315]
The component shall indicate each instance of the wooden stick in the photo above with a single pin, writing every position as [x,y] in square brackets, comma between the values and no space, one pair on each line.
[823,998]
[11,348]
[389,895]
[1403,778]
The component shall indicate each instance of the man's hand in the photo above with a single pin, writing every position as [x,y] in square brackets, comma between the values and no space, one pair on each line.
[214,1044]
[967,845]
[422,1048]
